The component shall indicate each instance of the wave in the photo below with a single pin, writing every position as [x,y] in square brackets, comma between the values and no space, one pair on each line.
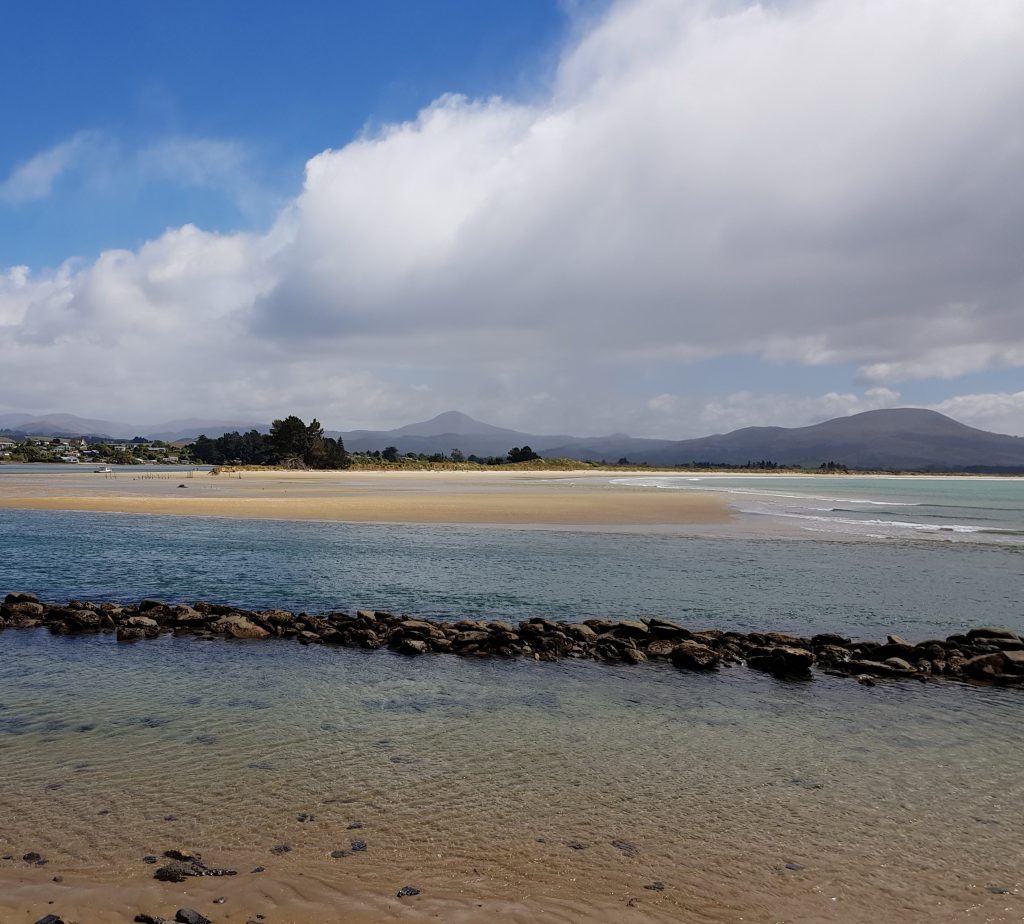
[900,524]
[669,484]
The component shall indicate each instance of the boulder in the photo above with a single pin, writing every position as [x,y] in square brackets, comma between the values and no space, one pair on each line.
[20,597]
[694,656]
[237,626]
[129,634]
[661,648]
[412,646]
[983,633]
[141,622]
[781,660]
[630,629]
[985,666]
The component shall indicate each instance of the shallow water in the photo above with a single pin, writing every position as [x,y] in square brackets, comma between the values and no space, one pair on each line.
[897,802]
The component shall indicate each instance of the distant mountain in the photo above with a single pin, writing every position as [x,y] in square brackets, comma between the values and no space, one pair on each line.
[909,439]
[67,425]
[901,438]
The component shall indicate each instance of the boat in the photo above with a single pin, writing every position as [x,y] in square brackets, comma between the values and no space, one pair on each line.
[103,470]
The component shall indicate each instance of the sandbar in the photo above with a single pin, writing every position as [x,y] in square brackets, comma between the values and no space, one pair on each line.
[499,498]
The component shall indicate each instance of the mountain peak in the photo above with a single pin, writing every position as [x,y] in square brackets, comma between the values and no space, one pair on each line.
[449,422]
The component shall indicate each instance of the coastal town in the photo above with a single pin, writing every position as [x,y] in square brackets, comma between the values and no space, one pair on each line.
[82,450]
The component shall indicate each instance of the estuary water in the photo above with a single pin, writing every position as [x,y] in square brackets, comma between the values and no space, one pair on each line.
[512,790]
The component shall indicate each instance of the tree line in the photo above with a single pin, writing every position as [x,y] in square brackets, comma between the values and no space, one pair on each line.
[291,443]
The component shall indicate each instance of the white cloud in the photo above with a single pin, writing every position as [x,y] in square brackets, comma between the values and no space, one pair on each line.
[813,182]
[34,178]
[1001,412]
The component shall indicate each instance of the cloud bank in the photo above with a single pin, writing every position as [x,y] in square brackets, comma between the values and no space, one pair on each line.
[800,184]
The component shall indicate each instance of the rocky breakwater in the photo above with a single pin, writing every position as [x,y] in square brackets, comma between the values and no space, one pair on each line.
[989,656]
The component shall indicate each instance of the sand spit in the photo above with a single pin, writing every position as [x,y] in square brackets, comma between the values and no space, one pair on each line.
[499,498]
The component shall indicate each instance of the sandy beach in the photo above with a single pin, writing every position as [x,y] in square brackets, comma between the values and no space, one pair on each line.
[500,498]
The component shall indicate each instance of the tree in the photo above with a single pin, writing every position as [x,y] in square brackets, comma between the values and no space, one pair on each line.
[526,454]
[390,454]
[289,439]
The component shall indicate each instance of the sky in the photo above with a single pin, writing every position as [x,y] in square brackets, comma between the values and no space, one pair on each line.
[660,217]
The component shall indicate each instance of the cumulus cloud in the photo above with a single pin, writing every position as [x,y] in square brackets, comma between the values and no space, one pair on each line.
[814,182]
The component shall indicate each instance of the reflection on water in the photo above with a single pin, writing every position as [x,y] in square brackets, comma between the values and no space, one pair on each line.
[744,795]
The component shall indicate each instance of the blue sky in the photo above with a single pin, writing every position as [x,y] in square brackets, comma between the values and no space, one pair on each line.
[663,217]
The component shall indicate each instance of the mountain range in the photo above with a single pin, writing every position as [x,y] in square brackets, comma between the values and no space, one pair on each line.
[910,439]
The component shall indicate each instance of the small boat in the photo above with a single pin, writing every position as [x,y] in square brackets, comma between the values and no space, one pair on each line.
[103,470]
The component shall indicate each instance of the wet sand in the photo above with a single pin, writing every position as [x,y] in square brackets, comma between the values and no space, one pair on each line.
[500,498]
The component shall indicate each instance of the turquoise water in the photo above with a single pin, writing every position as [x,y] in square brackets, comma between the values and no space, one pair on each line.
[918,587]
[989,510]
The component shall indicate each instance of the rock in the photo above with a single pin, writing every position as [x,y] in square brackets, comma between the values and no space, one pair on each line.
[185,856]
[412,646]
[143,918]
[150,859]
[127,634]
[278,849]
[656,886]
[899,664]
[141,622]
[147,605]
[358,846]
[580,631]
[781,660]
[660,648]
[176,871]
[626,847]
[50,919]
[897,640]
[1013,661]
[240,627]
[829,638]
[338,854]
[20,597]
[630,629]
[33,858]
[407,891]
[633,655]
[985,666]
[695,657]
[978,634]
[188,916]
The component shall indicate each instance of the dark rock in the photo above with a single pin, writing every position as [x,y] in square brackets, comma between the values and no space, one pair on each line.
[147,605]
[354,825]
[983,633]
[338,854]
[358,846]
[50,919]
[412,646]
[21,597]
[626,847]
[656,886]
[781,660]
[694,656]
[176,871]
[260,869]
[985,666]
[407,891]
[278,849]
[150,859]
[796,867]
[143,918]
[829,638]
[33,858]
[184,856]
[575,845]
[188,916]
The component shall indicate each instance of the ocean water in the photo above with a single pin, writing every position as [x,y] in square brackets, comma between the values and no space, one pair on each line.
[918,587]
[988,510]
[516,790]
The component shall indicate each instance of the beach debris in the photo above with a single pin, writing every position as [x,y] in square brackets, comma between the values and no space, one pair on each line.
[576,845]
[795,867]
[626,847]
[353,825]
[260,869]
[51,919]
[149,858]
[305,816]
[279,849]
[407,891]
[656,886]
[338,854]
[185,864]
[188,916]
[358,846]
[981,655]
